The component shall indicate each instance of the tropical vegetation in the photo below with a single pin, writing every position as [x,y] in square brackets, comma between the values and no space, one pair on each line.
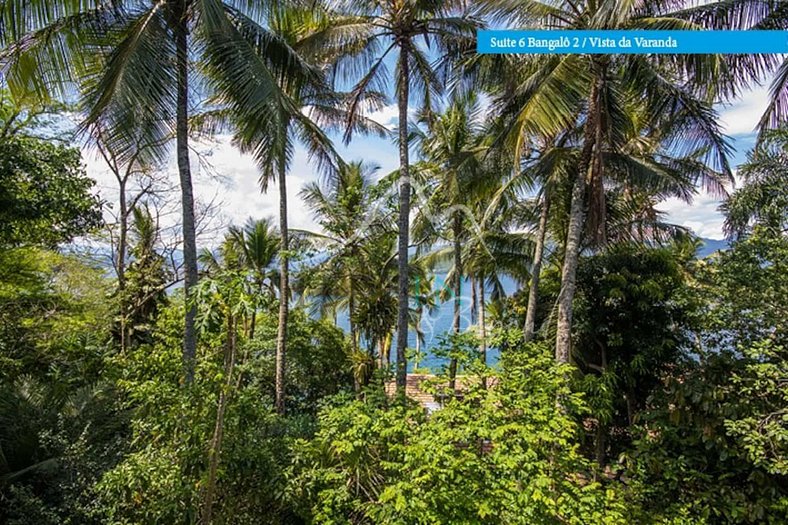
[163,365]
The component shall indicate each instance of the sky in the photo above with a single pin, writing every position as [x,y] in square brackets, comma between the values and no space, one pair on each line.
[228,179]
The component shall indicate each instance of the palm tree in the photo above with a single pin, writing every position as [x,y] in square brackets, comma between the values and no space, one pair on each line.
[762,199]
[269,127]
[543,169]
[749,69]
[257,244]
[453,180]
[560,92]
[498,247]
[365,36]
[147,279]
[346,210]
[377,294]
[132,62]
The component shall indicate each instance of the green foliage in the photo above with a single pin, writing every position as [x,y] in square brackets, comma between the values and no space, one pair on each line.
[60,424]
[504,455]
[744,291]
[712,441]
[45,195]
[146,280]
[160,480]
[763,199]
[53,315]
[462,347]
[632,315]
[679,373]
[318,356]
[763,429]
[708,449]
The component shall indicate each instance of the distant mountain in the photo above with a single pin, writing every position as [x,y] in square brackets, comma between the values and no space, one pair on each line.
[710,246]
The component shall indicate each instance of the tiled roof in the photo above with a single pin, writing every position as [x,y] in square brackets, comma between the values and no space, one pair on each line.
[419,387]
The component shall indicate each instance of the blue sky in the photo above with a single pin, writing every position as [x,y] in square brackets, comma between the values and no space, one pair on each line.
[230,180]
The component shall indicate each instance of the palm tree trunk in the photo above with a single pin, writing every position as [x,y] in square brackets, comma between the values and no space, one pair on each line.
[533,291]
[457,231]
[403,223]
[215,449]
[351,307]
[187,196]
[563,342]
[419,316]
[121,266]
[482,328]
[284,292]
[474,301]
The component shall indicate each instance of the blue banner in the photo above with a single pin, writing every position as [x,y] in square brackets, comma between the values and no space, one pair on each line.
[606,42]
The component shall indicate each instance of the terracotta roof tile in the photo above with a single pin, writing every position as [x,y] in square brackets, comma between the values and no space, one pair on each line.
[419,386]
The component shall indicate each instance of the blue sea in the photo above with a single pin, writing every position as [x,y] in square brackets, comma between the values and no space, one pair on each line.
[440,322]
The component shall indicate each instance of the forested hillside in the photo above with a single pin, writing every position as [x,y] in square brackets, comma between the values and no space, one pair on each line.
[601,366]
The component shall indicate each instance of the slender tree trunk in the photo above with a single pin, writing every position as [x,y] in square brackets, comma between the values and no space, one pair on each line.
[457,231]
[123,220]
[284,291]
[187,196]
[419,315]
[404,220]
[533,291]
[121,266]
[563,342]
[601,430]
[372,348]
[215,450]
[351,307]
[482,328]
[252,323]
[474,302]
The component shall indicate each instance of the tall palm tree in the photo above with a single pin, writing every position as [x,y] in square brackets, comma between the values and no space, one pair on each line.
[132,61]
[563,91]
[365,37]
[498,247]
[251,252]
[345,209]
[377,294]
[453,181]
[258,246]
[269,127]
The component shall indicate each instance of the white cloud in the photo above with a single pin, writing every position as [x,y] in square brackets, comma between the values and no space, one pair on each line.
[742,116]
[232,178]
[226,178]
[388,116]
[702,216]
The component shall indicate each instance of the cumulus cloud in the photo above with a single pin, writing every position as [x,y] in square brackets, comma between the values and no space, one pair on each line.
[742,116]
[702,216]
[227,179]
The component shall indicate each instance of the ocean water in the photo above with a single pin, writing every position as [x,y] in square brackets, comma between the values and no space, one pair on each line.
[440,322]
